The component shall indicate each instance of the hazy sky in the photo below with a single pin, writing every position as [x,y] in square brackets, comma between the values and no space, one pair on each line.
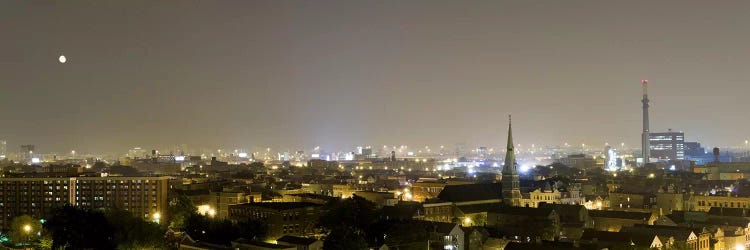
[297,74]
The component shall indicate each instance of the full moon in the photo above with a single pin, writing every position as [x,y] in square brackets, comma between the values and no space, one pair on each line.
[62,59]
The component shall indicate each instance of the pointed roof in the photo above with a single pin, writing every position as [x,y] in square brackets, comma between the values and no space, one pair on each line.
[510,154]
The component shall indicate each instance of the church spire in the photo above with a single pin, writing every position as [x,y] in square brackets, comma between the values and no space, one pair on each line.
[510,154]
[510,180]
[510,133]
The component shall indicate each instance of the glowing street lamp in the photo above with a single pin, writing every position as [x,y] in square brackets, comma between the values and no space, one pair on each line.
[27,229]
[157,216]
[467,221]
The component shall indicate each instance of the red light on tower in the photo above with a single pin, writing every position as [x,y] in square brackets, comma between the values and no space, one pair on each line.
[644,81]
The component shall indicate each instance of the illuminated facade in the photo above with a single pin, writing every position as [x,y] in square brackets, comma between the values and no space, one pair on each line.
[283,218]
[37,197]
[667,146]
[705,202]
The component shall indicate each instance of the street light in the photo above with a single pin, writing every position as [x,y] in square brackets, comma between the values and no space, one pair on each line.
[157,216]
[27,229]
[467,221]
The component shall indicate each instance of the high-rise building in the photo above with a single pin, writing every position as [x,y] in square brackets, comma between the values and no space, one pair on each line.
[3,149]
[511,182]
[667,146]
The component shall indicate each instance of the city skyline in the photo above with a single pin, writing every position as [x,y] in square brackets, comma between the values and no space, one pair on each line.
[339,75]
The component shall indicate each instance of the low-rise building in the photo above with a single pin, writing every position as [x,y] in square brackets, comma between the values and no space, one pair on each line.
[283,218]
[613,221]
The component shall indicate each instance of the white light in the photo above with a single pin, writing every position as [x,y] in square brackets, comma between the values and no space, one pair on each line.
[35,160]
[525,168]
[62,59]
[179,158]
[243,155]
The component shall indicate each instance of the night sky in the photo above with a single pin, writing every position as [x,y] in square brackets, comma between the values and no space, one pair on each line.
[296,74]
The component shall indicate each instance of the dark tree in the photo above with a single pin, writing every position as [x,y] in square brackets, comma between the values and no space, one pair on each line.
[75,228]
[353,215]
[132,232]
[244,174]
[222,231]
[180,209]
[341,238]
[407,236]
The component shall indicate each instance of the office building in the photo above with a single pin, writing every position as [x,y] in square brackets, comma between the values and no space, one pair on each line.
[667,146]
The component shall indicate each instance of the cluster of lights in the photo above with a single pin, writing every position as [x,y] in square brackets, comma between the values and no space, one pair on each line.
[406,194]
[206,210]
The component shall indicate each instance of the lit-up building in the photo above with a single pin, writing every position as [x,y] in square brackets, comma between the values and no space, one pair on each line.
[3,149]
[27,153]
[283,218]
[667,146]
[38,196]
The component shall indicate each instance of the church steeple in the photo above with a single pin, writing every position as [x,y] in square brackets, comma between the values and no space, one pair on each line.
[511,181]
[510,154]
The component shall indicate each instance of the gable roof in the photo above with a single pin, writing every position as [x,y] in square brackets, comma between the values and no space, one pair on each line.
[477,208]
[471,192]
[524,211]
[429,226]
[568,213]
[296,240]
[402,211]
[678,233]
[540,245]
[620,214]
[618,237]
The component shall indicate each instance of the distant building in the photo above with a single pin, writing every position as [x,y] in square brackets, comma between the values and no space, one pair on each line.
[724,170]
[3,149]
[581,161]
[27,153]
[667,146]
